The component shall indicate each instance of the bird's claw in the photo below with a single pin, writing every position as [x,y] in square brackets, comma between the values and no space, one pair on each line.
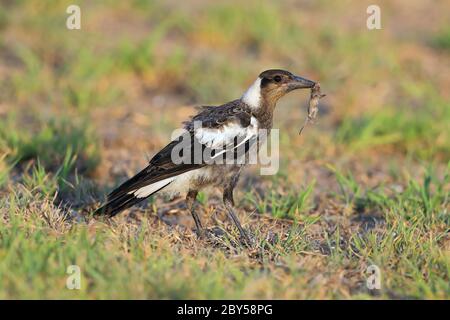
[210,234]
[247,240]
[201,233]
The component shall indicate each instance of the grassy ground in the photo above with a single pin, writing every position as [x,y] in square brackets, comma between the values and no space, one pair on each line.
[369,184]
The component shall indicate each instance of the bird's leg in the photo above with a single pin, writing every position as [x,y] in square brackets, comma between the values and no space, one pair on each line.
[190,200]
[229,204]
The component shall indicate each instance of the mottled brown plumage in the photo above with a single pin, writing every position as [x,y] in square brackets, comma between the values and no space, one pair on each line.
[215,129]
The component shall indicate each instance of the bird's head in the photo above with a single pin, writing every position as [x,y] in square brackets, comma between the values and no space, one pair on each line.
[271,85]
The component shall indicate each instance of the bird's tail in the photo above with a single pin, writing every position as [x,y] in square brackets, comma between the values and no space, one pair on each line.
[115,206]
[125,196]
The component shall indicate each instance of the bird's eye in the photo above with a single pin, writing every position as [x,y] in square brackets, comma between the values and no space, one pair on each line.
[277,78]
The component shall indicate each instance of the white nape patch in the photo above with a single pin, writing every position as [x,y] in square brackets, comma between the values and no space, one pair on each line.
[151,188]
[252,96]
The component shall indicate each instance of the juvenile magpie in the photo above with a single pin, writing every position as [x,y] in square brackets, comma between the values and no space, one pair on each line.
[215,131]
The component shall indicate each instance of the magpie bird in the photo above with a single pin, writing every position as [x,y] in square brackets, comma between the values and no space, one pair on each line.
[215,130]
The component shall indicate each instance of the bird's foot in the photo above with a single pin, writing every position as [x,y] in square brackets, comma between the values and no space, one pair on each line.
[211,234]
[217,232]
[246,239]
[201,233]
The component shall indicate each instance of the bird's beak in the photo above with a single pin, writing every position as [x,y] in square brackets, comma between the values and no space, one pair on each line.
[300,83]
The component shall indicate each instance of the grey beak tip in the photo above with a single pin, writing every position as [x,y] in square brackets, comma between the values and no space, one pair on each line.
[305,83]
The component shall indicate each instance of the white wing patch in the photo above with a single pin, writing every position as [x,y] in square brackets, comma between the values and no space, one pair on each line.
[219,138]
[212,138]
[146,191]
[172,186]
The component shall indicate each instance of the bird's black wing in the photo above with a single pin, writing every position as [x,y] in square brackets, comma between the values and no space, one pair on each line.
[211,127]
[217,117]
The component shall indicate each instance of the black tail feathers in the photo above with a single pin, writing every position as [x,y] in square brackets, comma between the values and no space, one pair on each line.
[115,206]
